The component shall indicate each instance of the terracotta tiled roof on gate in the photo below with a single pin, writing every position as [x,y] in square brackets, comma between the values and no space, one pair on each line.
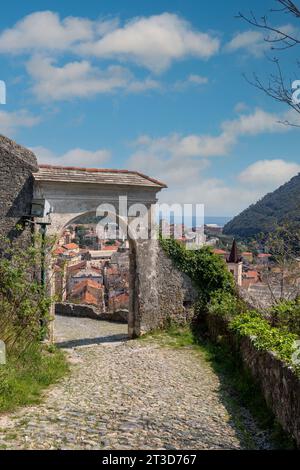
[70,174]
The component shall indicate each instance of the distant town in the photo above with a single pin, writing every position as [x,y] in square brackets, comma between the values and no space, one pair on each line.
[94,271]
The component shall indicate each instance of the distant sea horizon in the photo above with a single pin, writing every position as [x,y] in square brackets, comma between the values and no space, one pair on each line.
[219,220]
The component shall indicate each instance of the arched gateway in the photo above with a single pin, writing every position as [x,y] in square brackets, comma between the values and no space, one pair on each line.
[71,192]
[158,291]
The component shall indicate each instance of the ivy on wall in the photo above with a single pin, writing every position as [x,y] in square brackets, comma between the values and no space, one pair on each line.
[207,270]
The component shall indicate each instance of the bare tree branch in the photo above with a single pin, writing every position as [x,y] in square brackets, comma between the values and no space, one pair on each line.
[280,36]
[277,87]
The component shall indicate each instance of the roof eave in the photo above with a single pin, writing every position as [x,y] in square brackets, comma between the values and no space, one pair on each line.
[99,170]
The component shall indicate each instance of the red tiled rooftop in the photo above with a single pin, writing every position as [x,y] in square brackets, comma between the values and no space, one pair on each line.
[109,248]
[71,246]
[217,251]
[112,271]
[264,255]
[77,267]
[87,283]
[72,254]
[251,274]
[89,298]
[58,251]
[124,297]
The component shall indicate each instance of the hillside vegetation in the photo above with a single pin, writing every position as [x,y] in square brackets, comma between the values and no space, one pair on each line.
[277,208]
[29,365]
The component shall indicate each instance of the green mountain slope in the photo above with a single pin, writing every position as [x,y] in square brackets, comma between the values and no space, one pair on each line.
[276,208]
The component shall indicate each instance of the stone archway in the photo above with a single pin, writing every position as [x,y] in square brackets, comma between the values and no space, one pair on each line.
[72,192]
[132,323]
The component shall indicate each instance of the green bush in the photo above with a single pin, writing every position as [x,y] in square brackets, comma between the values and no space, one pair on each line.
[265,337]
[225,304]
[286,315]
[207,270]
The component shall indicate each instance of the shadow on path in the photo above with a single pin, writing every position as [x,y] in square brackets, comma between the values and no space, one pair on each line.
[91,341]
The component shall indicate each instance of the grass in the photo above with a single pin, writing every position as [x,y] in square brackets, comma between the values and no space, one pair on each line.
[237,386]
[23,379]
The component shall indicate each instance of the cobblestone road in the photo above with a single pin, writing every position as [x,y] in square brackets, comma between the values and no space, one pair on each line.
[126,395]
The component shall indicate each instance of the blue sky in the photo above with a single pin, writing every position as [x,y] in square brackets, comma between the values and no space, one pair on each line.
[154,86]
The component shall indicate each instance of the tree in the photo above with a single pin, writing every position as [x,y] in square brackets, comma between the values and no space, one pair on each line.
[283,280]
[283,38]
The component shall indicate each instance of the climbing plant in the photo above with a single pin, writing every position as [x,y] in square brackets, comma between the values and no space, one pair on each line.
[207,270]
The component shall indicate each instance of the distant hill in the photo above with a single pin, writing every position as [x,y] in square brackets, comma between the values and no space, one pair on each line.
[276,208]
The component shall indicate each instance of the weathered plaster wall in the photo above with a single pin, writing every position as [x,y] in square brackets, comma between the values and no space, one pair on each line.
[16,187]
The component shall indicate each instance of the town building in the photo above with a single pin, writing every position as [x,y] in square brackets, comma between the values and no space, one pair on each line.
[247,256]
[235,264]
[89,292]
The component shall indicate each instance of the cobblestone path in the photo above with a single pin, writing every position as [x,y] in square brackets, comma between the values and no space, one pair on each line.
[126,395]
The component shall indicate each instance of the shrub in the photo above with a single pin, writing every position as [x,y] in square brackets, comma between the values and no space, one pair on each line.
[24,307]
[225,303]
[265,337]
[207,270]
[286,315]
[24,303]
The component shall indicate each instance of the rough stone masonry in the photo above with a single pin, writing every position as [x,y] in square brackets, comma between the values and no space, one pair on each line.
[16,188]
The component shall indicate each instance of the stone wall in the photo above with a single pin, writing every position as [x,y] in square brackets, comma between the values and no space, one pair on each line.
[260,297]
[176,293]
[89,311]
[278,382]
[160,293]
[16,188]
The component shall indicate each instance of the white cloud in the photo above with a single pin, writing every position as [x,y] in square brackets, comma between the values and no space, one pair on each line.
[180,161]
[254,42]
[191,80]
[154,42]
[11,121]
[194,145]
[80,79]
[218,197]
[240,107]
[44,30]
[269,173]
[251,41]
[74,157]
[187,183]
